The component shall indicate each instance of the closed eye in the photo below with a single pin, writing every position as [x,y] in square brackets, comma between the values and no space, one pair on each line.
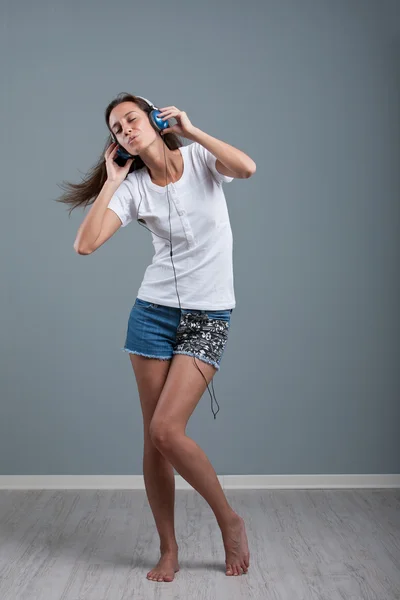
[129,121]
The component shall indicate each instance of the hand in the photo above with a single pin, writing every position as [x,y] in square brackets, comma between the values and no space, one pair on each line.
[183,127]
[115,172]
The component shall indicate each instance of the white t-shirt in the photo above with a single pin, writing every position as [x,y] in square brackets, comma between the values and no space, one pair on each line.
[201,235]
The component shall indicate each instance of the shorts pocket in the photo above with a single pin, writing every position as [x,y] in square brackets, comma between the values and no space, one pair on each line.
[146,305]
[221,315]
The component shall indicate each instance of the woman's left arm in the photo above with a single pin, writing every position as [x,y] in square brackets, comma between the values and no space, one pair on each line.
[230,160]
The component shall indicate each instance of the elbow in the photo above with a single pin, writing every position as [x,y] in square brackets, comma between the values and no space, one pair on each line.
[81,250]
[252,169]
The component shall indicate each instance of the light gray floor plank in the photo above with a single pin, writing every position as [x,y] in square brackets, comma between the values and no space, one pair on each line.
[304,545]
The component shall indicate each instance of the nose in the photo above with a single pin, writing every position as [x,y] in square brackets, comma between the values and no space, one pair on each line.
[126,129]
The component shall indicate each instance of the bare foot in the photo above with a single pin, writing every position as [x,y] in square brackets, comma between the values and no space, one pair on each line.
[236,547]
[166,567]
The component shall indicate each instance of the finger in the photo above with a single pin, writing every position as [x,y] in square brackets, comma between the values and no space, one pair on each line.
[108,151]
[171,112]
[169,116]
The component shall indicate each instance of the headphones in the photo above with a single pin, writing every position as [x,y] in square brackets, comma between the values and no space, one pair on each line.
[122,157]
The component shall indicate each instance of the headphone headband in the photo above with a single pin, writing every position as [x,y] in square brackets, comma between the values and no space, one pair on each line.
[148,102]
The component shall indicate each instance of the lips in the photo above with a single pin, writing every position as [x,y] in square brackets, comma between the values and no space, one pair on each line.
[131,139]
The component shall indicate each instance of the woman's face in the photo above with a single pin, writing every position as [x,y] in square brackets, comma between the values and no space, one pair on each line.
[131,127]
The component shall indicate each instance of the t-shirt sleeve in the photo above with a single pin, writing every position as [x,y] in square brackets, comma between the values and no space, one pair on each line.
[123,202]
[209,160]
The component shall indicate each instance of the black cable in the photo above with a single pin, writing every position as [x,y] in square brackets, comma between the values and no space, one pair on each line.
[176,283]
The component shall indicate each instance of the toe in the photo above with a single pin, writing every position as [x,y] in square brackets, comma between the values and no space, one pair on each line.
[229,570]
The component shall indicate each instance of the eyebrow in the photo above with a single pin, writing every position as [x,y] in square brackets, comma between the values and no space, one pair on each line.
[125,115]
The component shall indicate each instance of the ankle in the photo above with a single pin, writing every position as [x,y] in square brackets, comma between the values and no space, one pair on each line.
[229,518]
[169,548]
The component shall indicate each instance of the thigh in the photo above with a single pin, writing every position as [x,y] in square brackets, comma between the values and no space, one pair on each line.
[200,342]
[149,340]
[151,375]
[183,389]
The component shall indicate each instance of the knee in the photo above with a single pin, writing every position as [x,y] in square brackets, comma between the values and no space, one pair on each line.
[162,435]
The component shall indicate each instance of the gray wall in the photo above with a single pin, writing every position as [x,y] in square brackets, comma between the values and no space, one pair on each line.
[310,90]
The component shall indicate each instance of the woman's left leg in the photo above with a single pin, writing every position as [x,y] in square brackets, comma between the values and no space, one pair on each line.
[179,397]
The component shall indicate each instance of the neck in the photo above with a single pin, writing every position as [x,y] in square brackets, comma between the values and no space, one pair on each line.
[156,155]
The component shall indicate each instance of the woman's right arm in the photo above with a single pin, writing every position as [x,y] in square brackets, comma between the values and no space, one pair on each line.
[100,224]
[92,225]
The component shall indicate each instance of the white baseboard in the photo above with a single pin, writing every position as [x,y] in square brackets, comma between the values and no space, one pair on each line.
[228,482]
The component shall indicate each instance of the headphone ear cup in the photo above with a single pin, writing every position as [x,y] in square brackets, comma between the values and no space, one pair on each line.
[158,123]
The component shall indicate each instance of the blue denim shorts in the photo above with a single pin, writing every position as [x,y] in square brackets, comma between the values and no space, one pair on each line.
[158,331]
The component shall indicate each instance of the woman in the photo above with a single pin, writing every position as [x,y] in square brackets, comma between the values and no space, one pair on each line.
[177,191]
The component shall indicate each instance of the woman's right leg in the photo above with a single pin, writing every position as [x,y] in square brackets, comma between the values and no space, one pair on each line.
[158,472]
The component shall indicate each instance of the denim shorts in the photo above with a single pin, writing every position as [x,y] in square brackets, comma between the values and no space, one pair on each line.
[158,331]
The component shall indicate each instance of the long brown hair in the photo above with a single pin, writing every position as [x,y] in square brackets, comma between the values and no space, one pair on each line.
[86,192]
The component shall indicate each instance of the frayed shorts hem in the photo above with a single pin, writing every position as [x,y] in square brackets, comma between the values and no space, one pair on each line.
[146,355]
[203,358]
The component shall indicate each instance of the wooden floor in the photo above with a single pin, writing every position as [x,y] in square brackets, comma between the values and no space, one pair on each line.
[304,544]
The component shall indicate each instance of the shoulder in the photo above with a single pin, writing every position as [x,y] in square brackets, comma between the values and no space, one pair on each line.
[128,189]
[131,183]
[132,178]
